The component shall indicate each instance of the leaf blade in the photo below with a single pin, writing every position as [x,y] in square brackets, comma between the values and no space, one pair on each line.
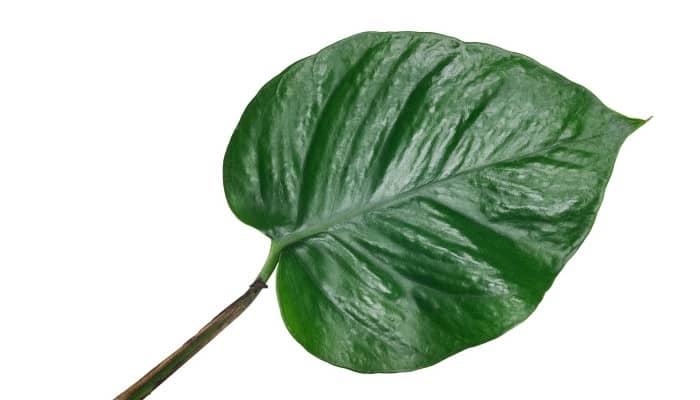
[425,192]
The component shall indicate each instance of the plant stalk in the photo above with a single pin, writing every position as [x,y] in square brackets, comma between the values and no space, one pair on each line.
[144,386]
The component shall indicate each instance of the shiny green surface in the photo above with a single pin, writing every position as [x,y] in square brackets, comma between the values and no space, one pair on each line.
[423,193]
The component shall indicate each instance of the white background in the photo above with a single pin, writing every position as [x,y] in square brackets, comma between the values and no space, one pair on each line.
[116,242]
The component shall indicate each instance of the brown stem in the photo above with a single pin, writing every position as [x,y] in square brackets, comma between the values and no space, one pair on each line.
[144,386]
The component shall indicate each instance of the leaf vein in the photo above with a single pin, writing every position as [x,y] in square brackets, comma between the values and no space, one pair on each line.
[322,226]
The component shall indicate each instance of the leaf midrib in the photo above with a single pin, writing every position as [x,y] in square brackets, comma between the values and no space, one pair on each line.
[350,214]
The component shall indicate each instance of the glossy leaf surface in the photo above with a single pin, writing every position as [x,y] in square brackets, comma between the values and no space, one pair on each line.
[423,192]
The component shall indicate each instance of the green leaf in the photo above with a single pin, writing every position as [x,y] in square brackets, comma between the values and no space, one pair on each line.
[423,193]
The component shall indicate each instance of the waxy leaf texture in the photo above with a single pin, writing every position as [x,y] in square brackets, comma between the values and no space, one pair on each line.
[422,192]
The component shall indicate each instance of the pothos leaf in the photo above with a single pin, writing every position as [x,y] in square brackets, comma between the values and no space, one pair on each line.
[422,192]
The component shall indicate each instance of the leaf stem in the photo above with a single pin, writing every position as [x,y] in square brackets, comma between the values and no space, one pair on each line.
[144,386]
[271,262]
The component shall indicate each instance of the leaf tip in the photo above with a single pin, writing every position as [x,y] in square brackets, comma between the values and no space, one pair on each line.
[636,123]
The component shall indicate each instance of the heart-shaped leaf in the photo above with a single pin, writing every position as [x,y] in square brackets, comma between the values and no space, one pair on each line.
[422,193]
